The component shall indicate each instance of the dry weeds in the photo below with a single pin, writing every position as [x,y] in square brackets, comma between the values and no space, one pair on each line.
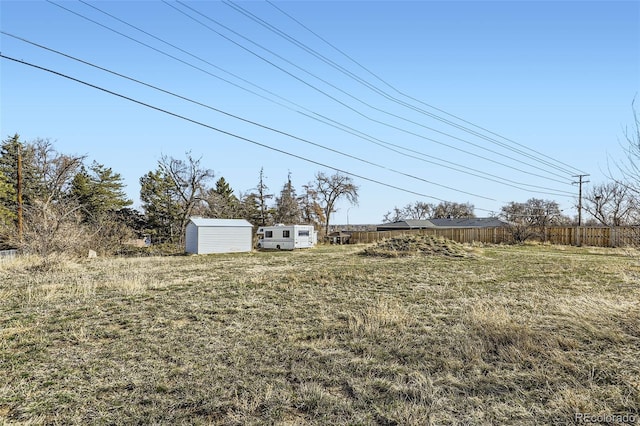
[409,245]
[518,335]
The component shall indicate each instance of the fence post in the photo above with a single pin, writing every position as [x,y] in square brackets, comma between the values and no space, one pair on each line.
[613,233]
[578,242]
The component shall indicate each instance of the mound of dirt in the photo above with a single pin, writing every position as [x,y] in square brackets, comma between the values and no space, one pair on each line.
[411,245]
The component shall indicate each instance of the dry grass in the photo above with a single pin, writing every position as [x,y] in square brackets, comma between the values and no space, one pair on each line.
[513,335]
[409,245]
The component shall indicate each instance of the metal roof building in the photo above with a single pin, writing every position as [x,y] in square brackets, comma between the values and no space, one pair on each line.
[473,222]
[470,222]
[406,224]
[205,236]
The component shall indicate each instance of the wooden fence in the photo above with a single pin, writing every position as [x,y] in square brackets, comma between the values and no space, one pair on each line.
[588,236]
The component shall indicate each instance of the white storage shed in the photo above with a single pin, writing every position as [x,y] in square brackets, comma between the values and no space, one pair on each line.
[204,236]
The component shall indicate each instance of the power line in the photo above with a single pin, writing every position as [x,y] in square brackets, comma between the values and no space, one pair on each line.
[382,92]
[271,128]
[225,132]
[579,183]
[375,89]
[354,110]
[315,115]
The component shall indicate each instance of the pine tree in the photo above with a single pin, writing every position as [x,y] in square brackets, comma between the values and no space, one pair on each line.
[221,201]
[160,204]
[7,197]
[287,207]
[99,190]
[223,189]
[250,209]
[263,196]
[32,179]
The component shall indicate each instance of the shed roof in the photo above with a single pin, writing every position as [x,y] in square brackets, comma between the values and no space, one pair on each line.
[206,222]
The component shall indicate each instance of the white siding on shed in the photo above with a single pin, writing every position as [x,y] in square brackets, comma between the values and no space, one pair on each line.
[191,238]
[205,236]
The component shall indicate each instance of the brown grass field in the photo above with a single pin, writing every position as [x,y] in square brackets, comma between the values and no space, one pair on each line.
[520,335]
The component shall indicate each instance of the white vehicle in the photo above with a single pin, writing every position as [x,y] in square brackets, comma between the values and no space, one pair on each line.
[287,237]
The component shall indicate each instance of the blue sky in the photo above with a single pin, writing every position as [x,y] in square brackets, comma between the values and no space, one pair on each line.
[552,81]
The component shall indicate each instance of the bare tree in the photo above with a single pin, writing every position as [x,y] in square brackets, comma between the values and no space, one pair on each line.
[51,219]
[395,215]
[417,211]
[630,168]
[526,220]
[312,211]
[52,228]
[55,170]
[612,204]
[453,210]
[189,180]
[332,188]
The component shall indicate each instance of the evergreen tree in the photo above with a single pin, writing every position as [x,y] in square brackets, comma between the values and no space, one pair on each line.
[160,204]
[222,203]
[7,195]
[134,220]
[31,178]
[287,207]
[223,189]
[262,193]
[250,209]
[99,190]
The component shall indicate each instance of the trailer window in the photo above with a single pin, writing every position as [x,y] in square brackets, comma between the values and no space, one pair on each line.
[268,234]
[285,234]
[303,233]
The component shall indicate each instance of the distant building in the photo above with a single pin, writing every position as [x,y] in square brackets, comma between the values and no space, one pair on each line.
[338,237]
[470,222]
[473,222]
[406,224]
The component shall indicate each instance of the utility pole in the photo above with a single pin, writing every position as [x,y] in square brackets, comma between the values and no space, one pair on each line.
[19,194]
[579,183]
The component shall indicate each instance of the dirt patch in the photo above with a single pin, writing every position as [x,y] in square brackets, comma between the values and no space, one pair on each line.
[411,245]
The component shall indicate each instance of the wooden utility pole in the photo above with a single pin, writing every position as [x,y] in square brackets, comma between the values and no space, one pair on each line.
[19,194]
[579,183]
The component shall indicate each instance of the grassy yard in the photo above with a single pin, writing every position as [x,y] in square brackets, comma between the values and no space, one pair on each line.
[509,335]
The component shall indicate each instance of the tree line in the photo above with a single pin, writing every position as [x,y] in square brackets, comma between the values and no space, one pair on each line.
[180,188]
[52,202]
[615,202]
[608,204]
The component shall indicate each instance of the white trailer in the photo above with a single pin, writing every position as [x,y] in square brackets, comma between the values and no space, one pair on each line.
[287,237]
